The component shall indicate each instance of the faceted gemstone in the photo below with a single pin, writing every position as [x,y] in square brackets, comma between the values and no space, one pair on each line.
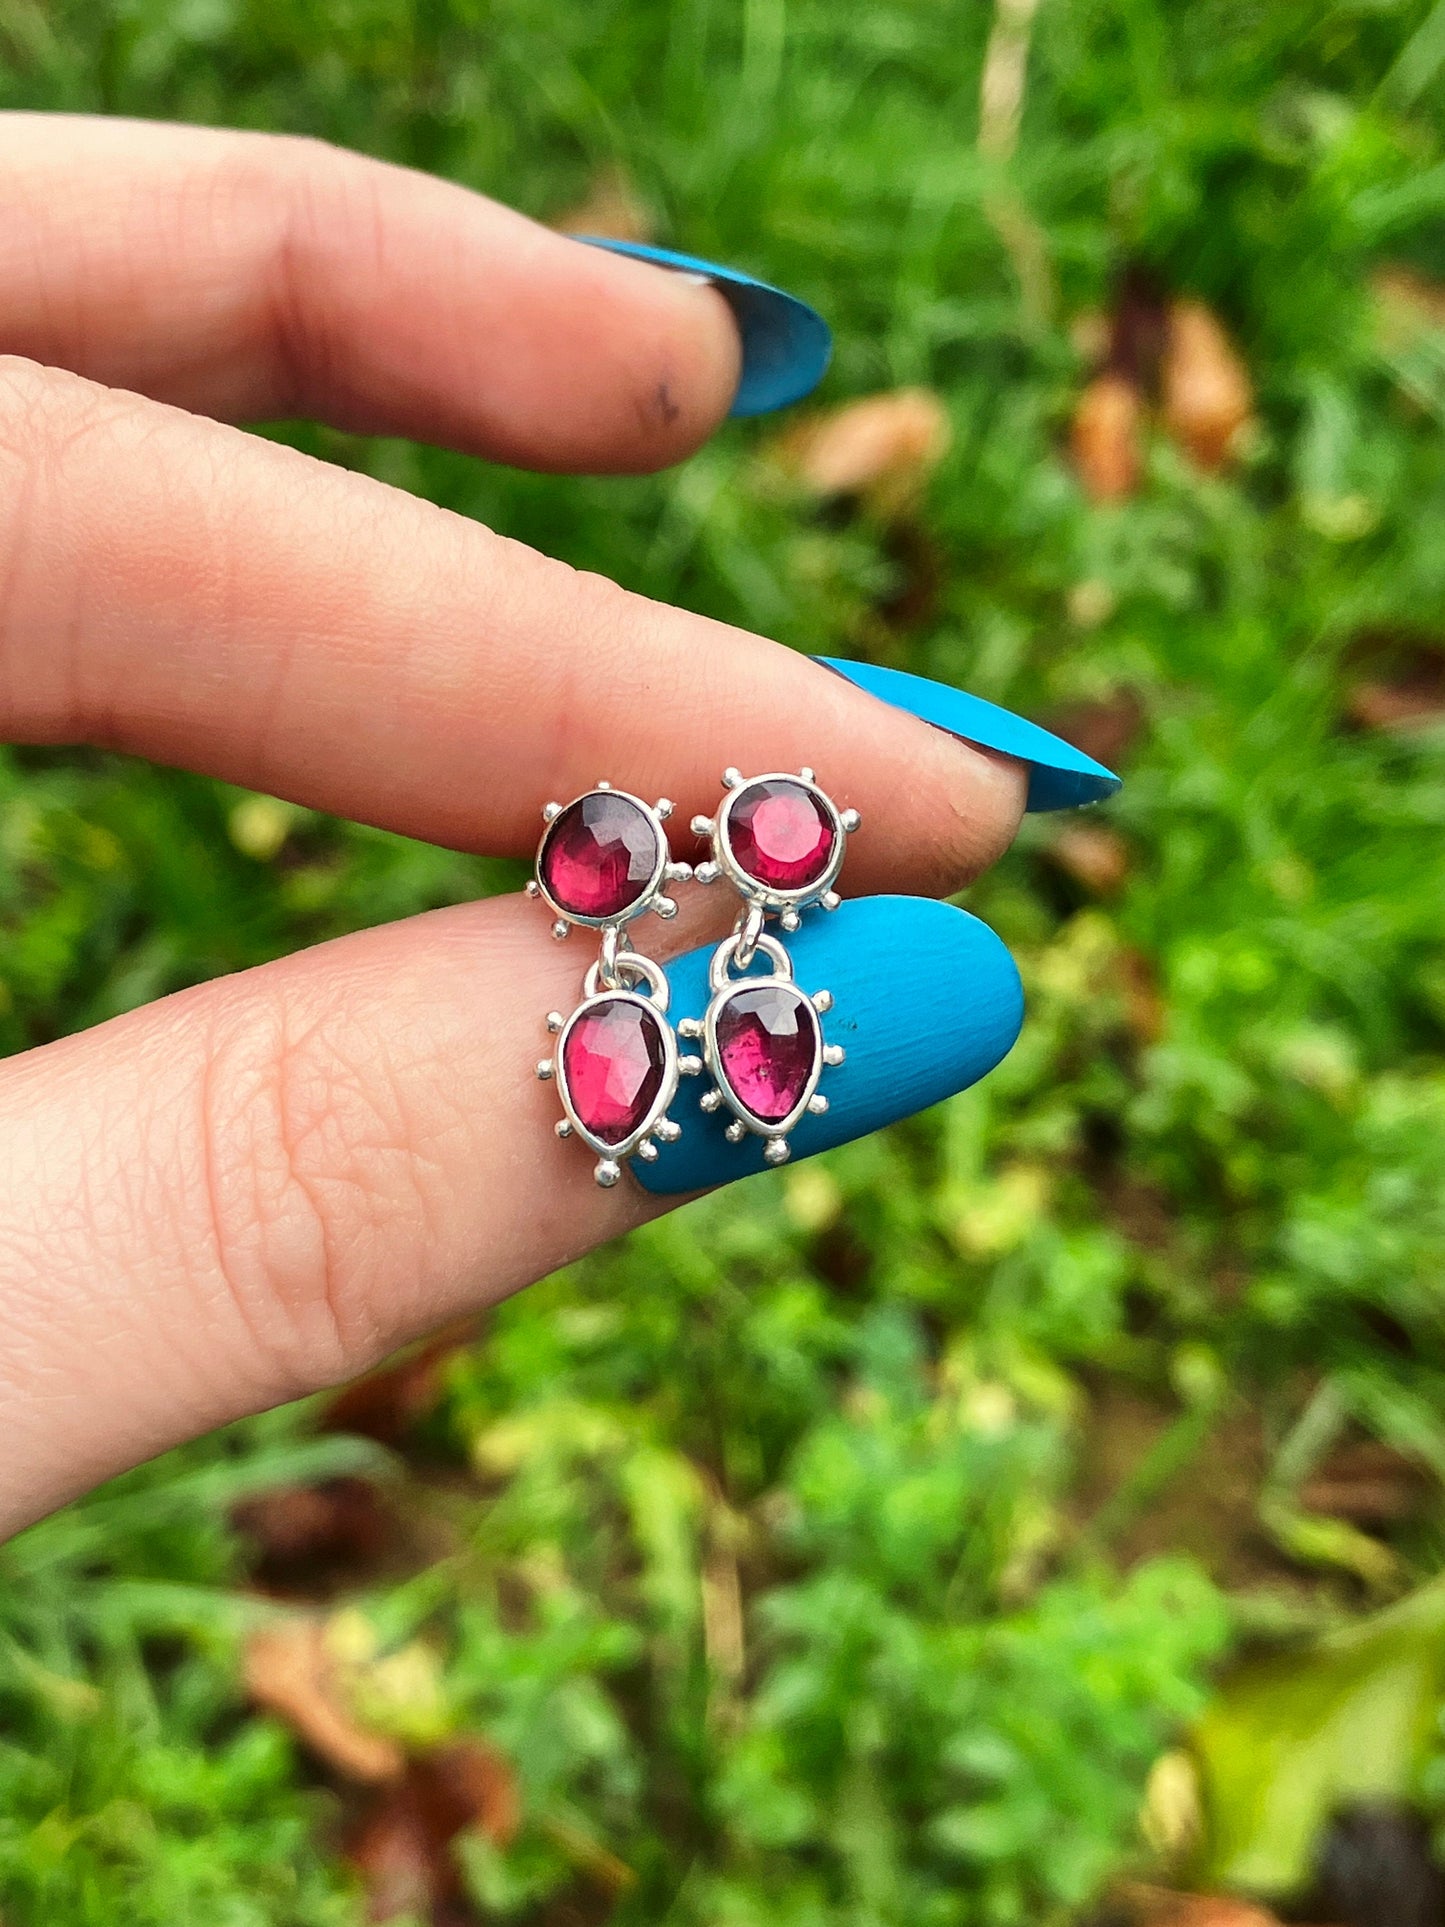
[599,855]
[768,1044]
[781,834]
[613,1062]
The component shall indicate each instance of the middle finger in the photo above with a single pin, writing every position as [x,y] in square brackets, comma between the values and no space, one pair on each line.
[182,590]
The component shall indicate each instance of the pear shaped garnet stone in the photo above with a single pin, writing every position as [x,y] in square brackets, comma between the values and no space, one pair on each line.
[768,1045]
[599,855]
[613,1064]
[781,834]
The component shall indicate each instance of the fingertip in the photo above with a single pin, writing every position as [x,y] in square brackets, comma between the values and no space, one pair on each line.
[997,796]
[924,999]
[786,345]
[679,357]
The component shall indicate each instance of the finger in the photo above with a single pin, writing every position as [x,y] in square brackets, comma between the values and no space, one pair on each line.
[249,276]
[263,1185]
[187,592]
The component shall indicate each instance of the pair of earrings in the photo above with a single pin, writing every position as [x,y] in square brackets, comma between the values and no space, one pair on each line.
[603,862]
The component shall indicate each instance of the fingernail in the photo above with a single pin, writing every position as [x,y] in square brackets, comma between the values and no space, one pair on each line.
[1060,776]
[786,344]
[926,1000]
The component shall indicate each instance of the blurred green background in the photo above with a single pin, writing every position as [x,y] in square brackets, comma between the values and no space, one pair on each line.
[1039,1507]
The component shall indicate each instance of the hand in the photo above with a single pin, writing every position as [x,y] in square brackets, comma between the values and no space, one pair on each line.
[260,1186]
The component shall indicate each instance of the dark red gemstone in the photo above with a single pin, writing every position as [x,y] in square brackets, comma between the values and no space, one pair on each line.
[768,1045]
[613,1061]
[781,834]
[599,855]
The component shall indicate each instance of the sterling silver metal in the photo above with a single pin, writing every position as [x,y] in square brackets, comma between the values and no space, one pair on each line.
[725,987]
[786,905]
[656,1127]
[654,897]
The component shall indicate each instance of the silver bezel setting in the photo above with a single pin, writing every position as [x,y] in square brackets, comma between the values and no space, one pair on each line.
[652,897]
[787,904]
[655,1127]
[725,989]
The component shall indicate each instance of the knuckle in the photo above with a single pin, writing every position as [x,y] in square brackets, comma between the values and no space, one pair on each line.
[94,482]
[266,167]
[320,201]
[49,419]
[45,411]
[318,1193]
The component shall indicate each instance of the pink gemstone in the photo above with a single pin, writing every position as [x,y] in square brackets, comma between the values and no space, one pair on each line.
[781,834]
[599,855]
[613,1062]
[768,1045]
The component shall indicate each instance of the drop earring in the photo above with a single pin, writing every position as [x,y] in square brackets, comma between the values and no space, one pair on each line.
[780,841]
[603,862]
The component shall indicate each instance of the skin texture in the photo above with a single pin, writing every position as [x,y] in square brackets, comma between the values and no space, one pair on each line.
[263,1185]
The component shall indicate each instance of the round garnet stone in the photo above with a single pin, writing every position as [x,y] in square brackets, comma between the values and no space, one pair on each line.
[599,855]
[767,1046]
[613,1060]
[781,834]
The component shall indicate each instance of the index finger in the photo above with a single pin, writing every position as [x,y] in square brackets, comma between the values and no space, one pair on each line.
[252,276]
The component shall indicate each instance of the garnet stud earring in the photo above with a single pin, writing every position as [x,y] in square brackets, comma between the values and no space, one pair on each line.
[603,861]
[779,841]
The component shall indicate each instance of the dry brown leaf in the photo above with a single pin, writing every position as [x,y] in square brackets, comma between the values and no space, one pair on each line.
[1206,394]
[1160,1907]
[402,1846]
[1368,1483]
[1104,730]
[292,1672]
[306,1537]
[1407,306]
[1400,679]
[886,443]
[611,209]
[1106,438]
[1139,328]
[1406,704]
[1096,857]
[388,1402]
[1145,1010]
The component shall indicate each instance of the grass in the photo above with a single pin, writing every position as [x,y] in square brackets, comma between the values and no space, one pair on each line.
[851,1548]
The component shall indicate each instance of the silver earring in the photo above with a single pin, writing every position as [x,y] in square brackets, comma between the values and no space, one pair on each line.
[603,862]
[780,841]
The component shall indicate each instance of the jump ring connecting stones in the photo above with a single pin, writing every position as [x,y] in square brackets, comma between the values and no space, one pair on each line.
[763,1043]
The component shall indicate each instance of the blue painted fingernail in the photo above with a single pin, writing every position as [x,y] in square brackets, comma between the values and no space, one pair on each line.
[926,1000]
[1060,776]
[786,344]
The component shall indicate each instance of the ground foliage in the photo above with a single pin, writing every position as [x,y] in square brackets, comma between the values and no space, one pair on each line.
[849,1548]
